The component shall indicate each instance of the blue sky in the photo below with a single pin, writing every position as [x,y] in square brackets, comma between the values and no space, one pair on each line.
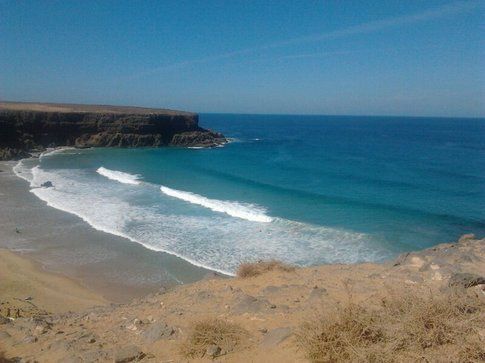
[308,57]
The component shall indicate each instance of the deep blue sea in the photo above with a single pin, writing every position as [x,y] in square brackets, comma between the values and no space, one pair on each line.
[303,189]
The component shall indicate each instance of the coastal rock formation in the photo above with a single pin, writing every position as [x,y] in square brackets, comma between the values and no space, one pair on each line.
[31,126]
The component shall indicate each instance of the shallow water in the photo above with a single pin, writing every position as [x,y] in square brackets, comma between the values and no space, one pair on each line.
[303,189]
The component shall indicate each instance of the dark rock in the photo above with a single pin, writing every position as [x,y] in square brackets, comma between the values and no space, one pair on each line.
[213,351]
[129,353]
[158,330]
[275,337]
[47,184]
[26,126]
[198,139]
[466,280]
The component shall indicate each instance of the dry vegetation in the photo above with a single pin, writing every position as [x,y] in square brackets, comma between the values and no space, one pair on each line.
[213,337]
[252,269]
[407,327]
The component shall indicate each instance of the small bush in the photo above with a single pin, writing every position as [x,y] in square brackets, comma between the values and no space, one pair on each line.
[252,269]
[213,332]
[406,327]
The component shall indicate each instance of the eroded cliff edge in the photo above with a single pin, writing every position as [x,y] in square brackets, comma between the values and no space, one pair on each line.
[25,127]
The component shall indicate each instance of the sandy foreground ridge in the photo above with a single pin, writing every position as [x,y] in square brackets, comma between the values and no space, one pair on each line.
[424,306]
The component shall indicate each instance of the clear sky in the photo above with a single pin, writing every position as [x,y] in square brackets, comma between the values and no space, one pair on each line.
[318,57]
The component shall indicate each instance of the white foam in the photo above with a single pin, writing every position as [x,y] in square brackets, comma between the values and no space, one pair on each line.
[119,176]
[23,171]
[248,212]
[216,241]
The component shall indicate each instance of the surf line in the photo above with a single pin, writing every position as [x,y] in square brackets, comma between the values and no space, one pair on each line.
[234,209]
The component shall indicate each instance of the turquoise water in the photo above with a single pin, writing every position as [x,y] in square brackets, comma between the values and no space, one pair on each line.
[304,189]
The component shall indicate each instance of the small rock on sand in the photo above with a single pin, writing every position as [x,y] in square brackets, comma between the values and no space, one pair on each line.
[158,330]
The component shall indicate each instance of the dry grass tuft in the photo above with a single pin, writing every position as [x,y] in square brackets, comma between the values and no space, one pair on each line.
[251,269]
[406,327]
[214,332]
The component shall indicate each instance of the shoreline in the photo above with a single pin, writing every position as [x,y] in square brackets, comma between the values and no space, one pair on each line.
[60,149]
[61,242]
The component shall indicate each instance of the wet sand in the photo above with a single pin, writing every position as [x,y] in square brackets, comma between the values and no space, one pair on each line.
[112,266]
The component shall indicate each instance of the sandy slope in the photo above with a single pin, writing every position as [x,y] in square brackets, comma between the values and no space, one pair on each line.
[25,287]
[270,307]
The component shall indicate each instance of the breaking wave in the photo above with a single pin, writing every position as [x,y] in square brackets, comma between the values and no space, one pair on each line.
[248,212]
[119,176]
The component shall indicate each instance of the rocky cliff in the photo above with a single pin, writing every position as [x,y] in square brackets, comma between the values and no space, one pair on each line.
[33,126]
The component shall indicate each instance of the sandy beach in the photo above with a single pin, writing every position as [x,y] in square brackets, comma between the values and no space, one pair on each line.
[112,266]
[26,290]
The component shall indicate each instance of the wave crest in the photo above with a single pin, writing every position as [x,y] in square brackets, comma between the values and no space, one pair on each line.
[119,176]
[248,212]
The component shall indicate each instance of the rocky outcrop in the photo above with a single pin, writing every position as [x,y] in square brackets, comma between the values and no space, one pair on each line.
[28,126]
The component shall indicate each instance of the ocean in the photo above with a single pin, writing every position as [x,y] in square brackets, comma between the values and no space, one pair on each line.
[303,189]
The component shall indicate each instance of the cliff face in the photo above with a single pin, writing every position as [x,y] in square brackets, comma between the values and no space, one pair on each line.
[26,126]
